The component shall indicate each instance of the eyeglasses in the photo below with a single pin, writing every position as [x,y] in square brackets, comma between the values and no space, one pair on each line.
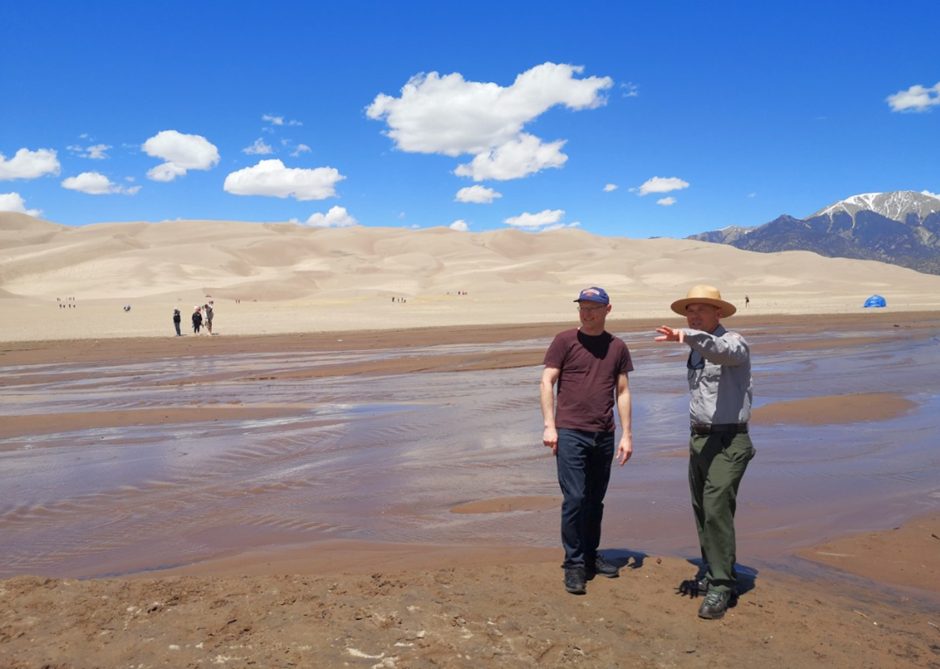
[591,309]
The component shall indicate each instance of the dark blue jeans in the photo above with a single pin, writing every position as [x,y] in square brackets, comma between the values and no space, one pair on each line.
[583,462]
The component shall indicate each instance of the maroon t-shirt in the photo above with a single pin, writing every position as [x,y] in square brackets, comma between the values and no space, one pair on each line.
[590,367]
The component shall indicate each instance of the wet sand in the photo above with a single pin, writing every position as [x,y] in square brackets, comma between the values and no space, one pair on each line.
[203,461]
[907,555]
[837,410]
[791,332]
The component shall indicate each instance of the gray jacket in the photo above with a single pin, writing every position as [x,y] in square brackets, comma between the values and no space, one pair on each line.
[719,377]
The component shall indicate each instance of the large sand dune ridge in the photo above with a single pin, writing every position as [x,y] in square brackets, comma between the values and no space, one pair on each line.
[284,277]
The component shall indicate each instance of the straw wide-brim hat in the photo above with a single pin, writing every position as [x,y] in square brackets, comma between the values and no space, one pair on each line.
[703,294]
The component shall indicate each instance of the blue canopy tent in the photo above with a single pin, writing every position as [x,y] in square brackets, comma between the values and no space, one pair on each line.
[875,301]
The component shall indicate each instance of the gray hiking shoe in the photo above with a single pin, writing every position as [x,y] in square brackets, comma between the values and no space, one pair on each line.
[575,581]
[602,567]
[715,605]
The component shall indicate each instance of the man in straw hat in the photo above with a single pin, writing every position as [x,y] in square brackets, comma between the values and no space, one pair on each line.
[590,367]
[719,371]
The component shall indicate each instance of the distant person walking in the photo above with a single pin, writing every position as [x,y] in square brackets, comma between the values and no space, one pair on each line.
[209,311]
[197,321]
[720,448]
[590,367]
[747,301]
[176,321]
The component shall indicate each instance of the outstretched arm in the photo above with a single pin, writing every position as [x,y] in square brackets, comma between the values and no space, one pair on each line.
[729,349]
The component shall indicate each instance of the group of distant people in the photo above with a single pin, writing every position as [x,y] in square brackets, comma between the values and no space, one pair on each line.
[402,300]
[202,316]
[68,304]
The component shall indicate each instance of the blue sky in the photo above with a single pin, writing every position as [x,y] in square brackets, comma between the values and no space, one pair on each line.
[619,118]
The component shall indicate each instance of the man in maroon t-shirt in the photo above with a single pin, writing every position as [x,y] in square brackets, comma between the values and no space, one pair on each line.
[590,367]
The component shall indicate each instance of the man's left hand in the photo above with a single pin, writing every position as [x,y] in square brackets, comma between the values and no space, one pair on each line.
[625,449]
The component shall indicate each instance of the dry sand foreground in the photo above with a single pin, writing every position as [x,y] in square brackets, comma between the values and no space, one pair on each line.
[513,615]
[281,277]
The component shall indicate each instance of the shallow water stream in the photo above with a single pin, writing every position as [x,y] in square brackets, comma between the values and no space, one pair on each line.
[386,458]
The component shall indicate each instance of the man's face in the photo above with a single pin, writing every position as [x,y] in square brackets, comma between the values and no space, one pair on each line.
[593,314]
[703,317]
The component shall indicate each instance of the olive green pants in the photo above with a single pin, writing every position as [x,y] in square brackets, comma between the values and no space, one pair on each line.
[716,466]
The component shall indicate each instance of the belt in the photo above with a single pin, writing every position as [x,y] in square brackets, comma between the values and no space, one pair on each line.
[719,428]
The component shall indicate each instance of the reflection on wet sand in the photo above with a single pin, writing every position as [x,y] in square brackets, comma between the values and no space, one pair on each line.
[507,504]
[19,426]
[131,465]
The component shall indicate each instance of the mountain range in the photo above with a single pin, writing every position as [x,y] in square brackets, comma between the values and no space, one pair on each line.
[900,228]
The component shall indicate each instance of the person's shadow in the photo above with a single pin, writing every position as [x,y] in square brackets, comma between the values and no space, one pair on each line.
[623,558]
[747,578]
[627,559]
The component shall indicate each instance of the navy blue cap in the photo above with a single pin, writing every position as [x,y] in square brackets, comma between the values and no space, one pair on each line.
[594,294]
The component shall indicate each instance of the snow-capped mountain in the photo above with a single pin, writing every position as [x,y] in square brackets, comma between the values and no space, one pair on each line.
[901,228]
[897,205]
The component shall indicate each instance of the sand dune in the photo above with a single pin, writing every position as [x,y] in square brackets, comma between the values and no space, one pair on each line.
[292,278]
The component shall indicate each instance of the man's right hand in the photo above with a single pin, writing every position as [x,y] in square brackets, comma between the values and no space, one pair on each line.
[550,439]
[670,334]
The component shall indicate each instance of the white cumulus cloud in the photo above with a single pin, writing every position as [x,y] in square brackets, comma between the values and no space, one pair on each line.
[915,99]
[610,188]
[559,226]
[301,148]
[336,217]
[452,116]
[258,148]
[662,185]
[666,201]
[94,183]
[527,220]
[630,90]
[516,158]
[278,120]
[543,221]
[14,202]
[95,152]
[477,195]
[272,178]
[459,225]
[26,164]
[181,153]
